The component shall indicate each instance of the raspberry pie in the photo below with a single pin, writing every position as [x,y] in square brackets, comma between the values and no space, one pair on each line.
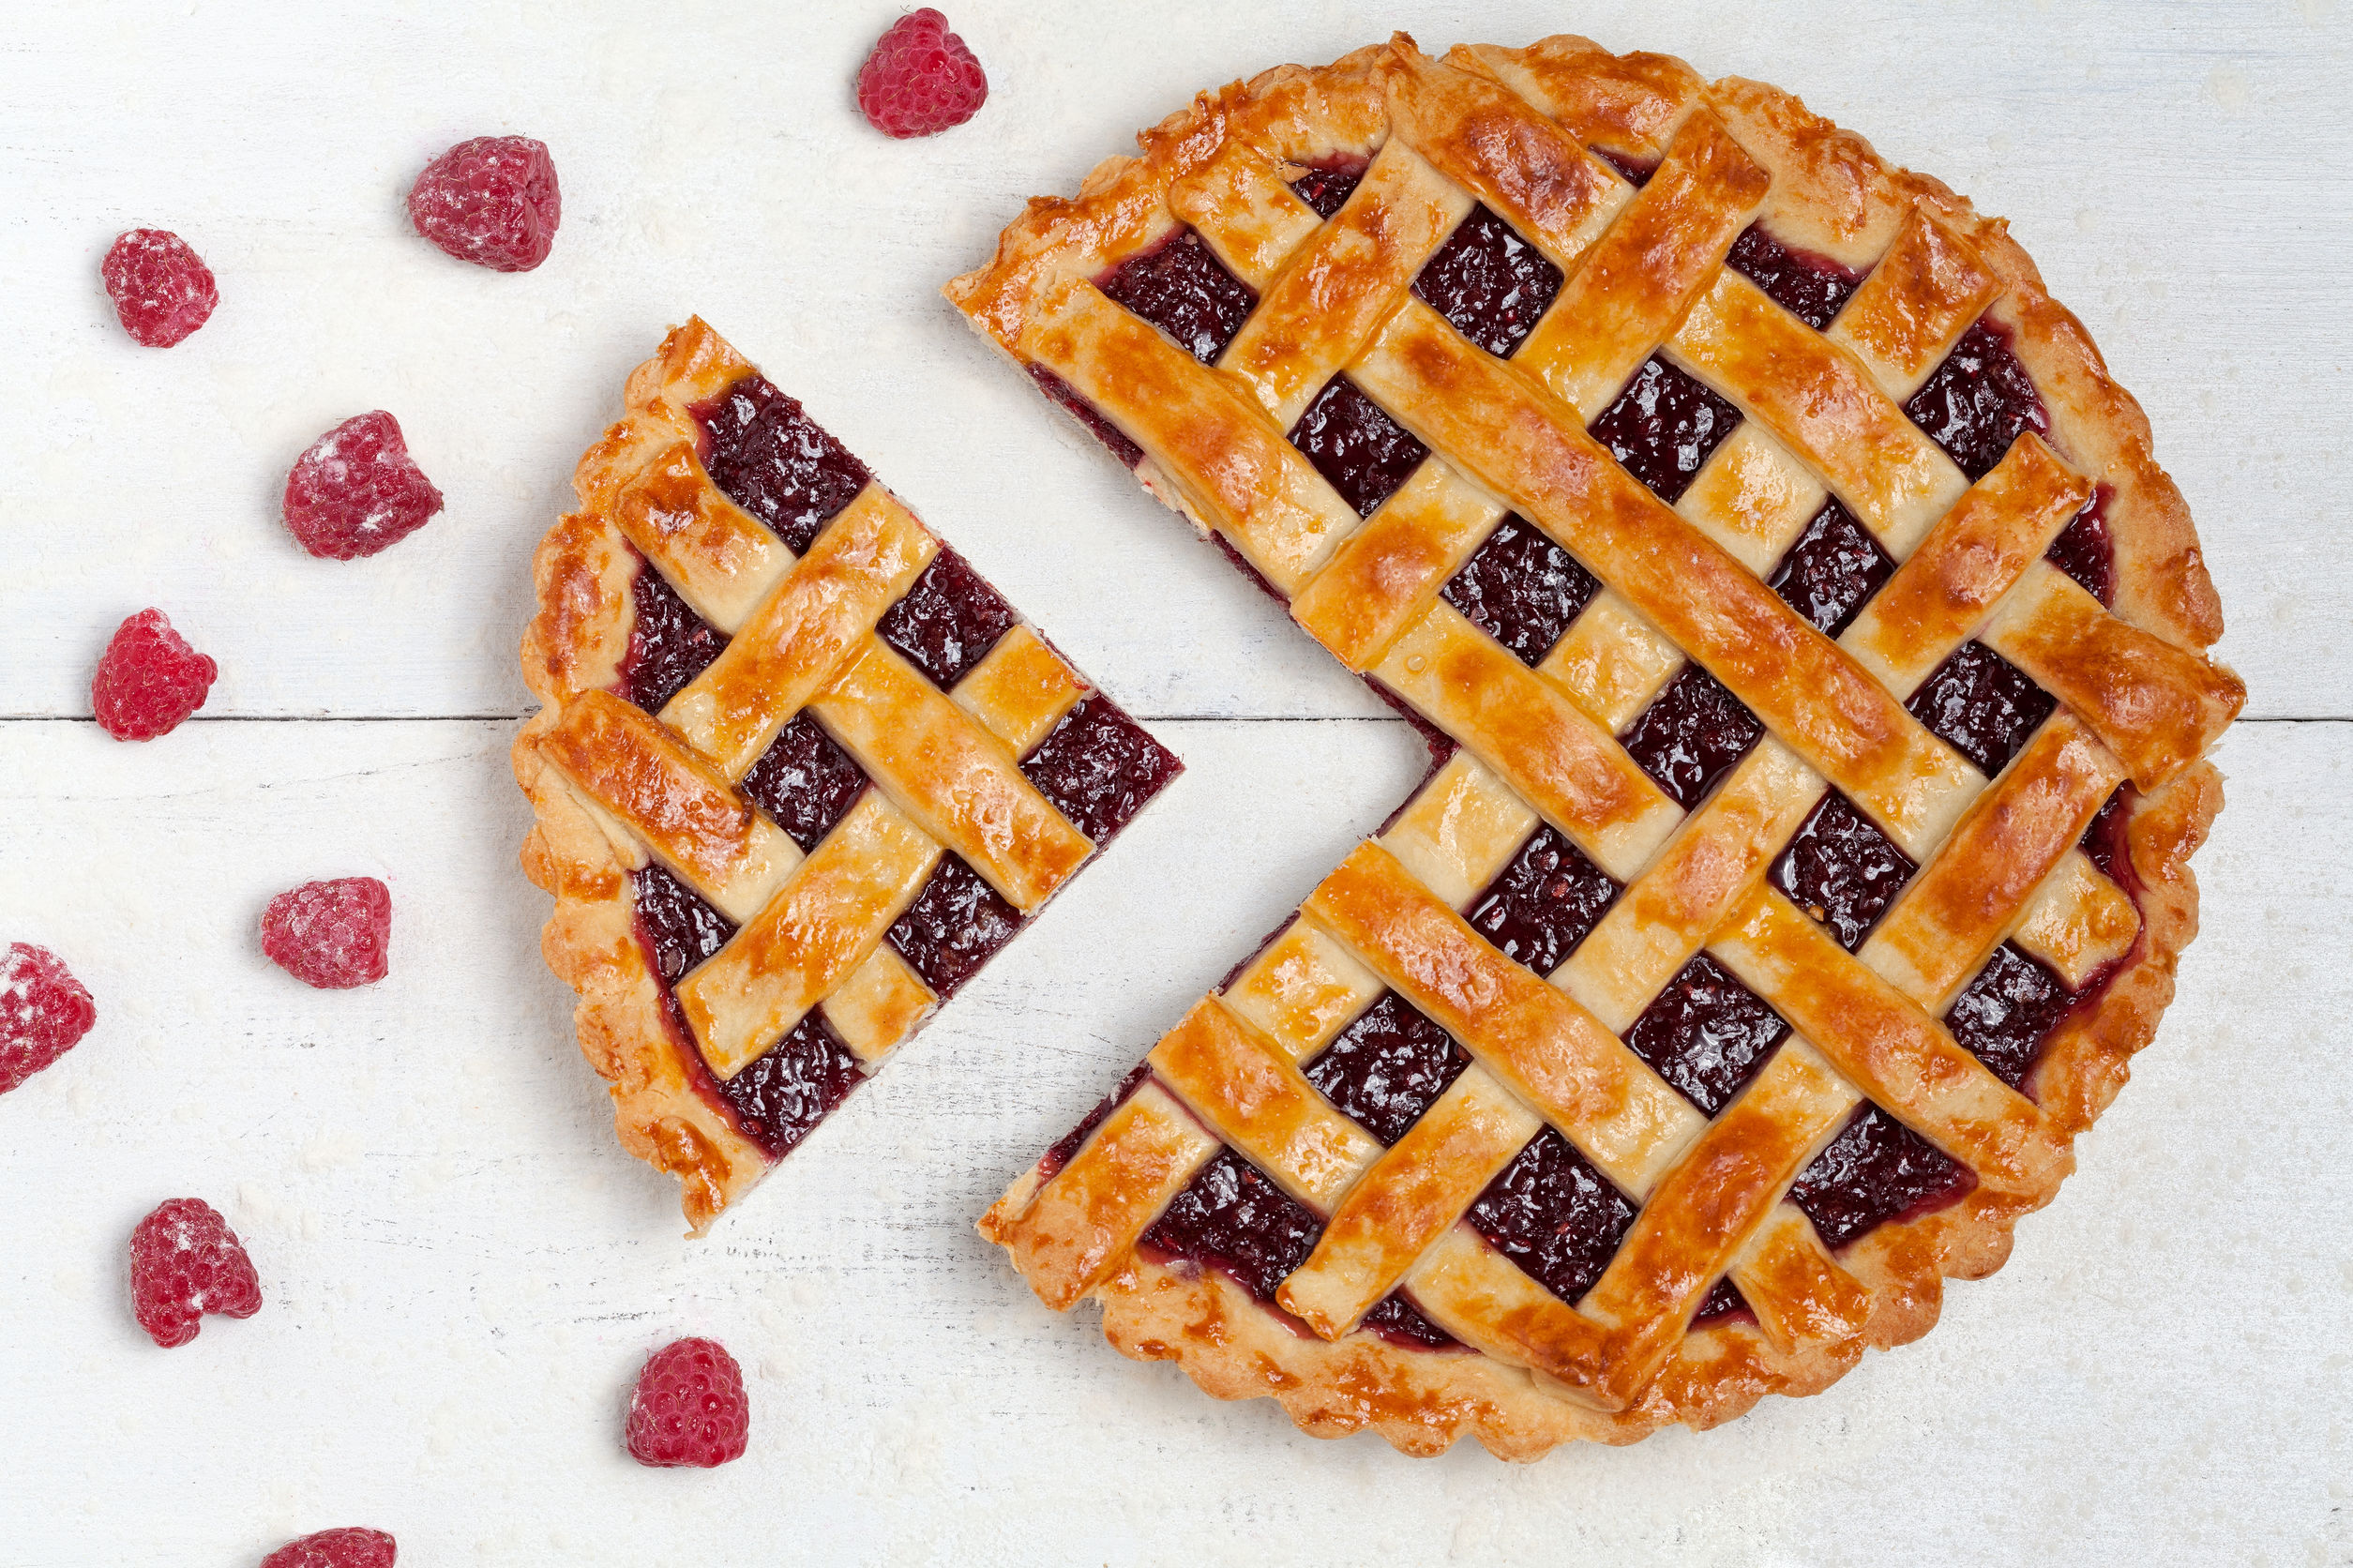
[1812,653]
[800,772]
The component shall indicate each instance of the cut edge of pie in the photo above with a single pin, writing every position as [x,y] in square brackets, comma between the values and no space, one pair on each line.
[1245,234]
[798,774]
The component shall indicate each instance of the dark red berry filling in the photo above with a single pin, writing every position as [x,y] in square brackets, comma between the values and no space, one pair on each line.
[1842,870]
[1186,291]
[1522,588]
[803,781]
[948,621]
[1543,901]
[669,644]
[1636,170]
[1490,283]
[2085,551]
[1979,400]
[1327,185]
[1396,1320]
[774,461]
[2006,1011]
[1049,1165]
[1812,288]
[1981,705]
[1386,1068]
[1356,445]
[955,926]
[1099,768]
[1091,417]
[1691,735]
[1832,570]
[1874,1171]
[1663,426]
[1555,1215]
[2104,842]
[1722,1300]
[792,1086]
[678,928]
[1707,1033]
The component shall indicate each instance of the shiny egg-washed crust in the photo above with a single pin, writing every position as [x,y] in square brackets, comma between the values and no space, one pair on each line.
[1831,194]
[582,572]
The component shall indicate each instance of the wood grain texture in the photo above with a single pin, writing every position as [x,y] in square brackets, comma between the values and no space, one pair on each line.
[461,1272]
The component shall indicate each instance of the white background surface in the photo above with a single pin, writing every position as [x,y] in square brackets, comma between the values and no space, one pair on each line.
[462,1269]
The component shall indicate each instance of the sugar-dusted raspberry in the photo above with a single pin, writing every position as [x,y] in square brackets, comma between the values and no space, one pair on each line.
[492,201]
[689,1406]
[185,1263]
[335,1548]
[148,678]
[330,934]
[357,490]
[163,291]
[921,78]
[44,1011]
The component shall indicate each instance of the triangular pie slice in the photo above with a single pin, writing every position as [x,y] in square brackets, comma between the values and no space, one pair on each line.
[1813,654]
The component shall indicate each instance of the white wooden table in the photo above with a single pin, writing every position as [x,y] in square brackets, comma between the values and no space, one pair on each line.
[462,1272]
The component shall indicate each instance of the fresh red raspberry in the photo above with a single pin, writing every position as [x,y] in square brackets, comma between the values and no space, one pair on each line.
[44,1011]
[335,1548]
[148,678]
[689,1406]
[921,78]
[492,201]
[357,490]
[330,934]
[163,291]
[184,1261]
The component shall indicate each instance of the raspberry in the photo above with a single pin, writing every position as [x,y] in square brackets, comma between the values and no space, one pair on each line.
[689,1406]
[920,80]
[148,678]
[163,291]
[184,1261]
[492,201]
[357,490]
[335,1548]
[330,934]
[44,1011]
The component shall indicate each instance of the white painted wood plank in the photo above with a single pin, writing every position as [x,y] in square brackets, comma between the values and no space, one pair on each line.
[462,1272]
[2181,170]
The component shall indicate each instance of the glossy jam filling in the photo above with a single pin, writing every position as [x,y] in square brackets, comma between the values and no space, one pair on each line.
[678,926]
[1555,1215]
[1979,400]
[1877,1169]
[1635,170]
[805,782]
[1663,426]
[2005,1012]
[1327,185]
[1099,768]
[774,461]
[1812,288]
[1049,1165]
[1396,1320]
[1128,453]
[1842,870]
[1981,705]
[1490,283]
[1543,901]
[792,1086]
[1233,1218]
[2104,842]
[1722,1300]
[669,644]
[947,621]
[1386,1068]
[955,926]
[1353,443]
[1184,290]
[1521,589]
[1707,1033]
[2085,551]
[1832,570]
[1691,735]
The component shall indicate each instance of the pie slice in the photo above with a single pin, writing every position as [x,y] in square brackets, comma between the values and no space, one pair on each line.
[799,774]
[1813,657]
